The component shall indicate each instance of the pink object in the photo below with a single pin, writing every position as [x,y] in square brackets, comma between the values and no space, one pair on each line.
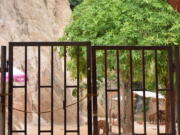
[18,76]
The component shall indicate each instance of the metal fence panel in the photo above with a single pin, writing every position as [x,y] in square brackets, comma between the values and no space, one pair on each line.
[52,45]
[169,89]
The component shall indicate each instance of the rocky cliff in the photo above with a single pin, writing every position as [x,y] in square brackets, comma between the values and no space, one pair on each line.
[35,20]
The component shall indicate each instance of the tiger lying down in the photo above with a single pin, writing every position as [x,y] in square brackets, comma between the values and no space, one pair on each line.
[162,117]
[102,125]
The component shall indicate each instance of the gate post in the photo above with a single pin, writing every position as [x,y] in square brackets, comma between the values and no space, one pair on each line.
[94,91]
[171,92]
[177,71]
[89,92]
[3,91]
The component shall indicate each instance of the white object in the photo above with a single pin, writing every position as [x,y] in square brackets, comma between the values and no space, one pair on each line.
[149,94]
[18,75]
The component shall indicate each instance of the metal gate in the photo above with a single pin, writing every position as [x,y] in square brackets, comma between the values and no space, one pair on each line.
[115,53]
[98,73]
[40,86]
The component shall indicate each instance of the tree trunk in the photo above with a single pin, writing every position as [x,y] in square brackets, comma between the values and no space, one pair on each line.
[168,104]
[126,117]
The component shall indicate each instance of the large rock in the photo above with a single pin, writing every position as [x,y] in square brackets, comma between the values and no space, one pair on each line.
[35,20]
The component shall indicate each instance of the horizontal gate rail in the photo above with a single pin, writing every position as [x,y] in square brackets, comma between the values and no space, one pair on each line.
[49,43]
[101,47]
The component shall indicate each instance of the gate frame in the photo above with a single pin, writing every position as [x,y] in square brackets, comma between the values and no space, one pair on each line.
[10,100]
[131,48]
[91,78]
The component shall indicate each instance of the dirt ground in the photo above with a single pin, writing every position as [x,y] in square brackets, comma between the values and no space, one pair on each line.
[59,129]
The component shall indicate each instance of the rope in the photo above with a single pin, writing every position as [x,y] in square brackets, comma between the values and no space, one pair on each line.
[48,111]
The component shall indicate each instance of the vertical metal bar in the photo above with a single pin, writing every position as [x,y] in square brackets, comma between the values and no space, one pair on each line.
[39,90]
[144,87]
[3,90]
[171,87]
[119,95]
[106,95]
[89,103]
[95,117]
[177,65]
[25,97]
[131,79]
[78,90]
[157,92]
[64,104]
[10,99]
[52,90]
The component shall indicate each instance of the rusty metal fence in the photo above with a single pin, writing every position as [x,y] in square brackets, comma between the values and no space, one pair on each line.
[52,45]
[170,118]
[92,58]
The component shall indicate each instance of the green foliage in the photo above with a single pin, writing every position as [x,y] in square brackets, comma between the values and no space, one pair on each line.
[126,22]
[73,58]
[74,93]
[82,87]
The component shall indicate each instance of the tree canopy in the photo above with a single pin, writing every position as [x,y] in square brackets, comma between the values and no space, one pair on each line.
[125,22]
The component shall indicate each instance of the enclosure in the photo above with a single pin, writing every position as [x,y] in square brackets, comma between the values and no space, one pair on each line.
[110,90]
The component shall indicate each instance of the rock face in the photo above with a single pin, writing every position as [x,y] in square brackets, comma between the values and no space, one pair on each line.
[35,20]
